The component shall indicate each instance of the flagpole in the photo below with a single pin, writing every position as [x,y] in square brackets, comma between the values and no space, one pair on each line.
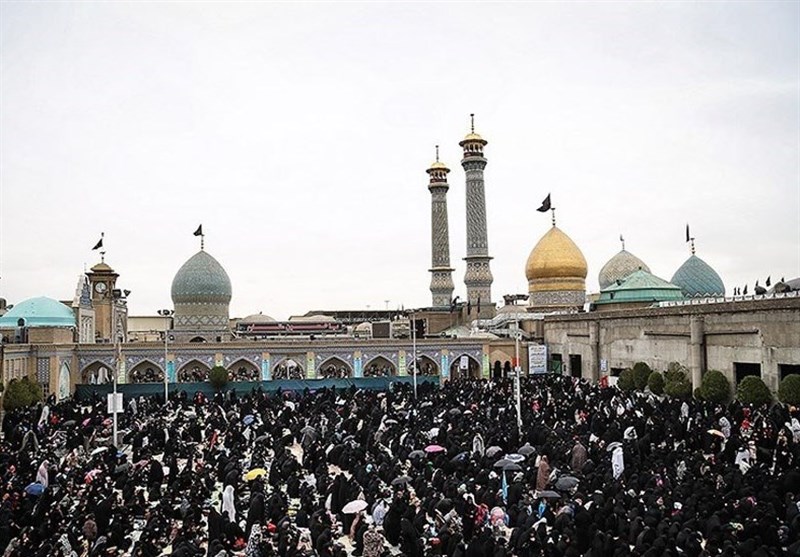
[414,350]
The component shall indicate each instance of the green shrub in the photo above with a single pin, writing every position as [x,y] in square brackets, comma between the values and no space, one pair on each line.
[715,387]
[218,377]
[20,393]
[698,394]
[656,383]
[677,383]
[641,373]
[789,390]
[625,381]
[752,390]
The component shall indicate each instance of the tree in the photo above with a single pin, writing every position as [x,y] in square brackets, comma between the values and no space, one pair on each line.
[789,390]
[715,387]
[752,390]
[218,377]
[21,393]
[625,381]
[641,373]
[677,384]
[656,383]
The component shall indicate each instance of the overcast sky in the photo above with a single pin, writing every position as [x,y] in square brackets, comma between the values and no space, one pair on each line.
[299,135]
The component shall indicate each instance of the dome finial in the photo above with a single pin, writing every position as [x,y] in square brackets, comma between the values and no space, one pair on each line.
[437,153]
[622,241]
[472,122]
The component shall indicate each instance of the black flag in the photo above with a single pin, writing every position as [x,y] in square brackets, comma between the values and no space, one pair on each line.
[199,231]
[545,205]
[98,245]
[769,282]
[687,233]
[745,290]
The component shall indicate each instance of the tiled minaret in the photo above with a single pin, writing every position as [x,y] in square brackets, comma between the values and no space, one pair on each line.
[441,272]
[478,277]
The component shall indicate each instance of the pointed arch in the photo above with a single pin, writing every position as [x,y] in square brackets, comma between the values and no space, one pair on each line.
[243,370]
[427,366]
[334,368]
[289,367]
[198,339]
[146,371]
[64,382]
[193,371]
[473,367]
[97,372]
[379,366]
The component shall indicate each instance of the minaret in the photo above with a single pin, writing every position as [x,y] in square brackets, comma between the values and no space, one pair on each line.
[478,277]
[441,272]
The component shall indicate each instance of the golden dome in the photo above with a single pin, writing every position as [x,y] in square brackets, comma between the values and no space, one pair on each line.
[438,164]
[556,263]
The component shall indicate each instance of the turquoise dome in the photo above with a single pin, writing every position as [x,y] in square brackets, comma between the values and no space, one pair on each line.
[697,279]
[639,287]
[39,312]
[201,280]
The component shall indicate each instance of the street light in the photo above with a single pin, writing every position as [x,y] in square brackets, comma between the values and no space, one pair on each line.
[166,313]
[517,372]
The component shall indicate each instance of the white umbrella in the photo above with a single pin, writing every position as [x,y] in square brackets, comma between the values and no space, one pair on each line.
[514,457]
[354,507]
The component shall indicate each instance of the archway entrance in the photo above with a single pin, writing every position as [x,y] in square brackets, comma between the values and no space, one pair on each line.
[97,373]
[193,371]
[146,372]
[288,368]
[464,367]
[380,367]
[334,368]
[243,370]
[427,366]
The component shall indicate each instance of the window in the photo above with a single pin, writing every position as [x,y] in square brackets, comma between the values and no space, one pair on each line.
[788,369]
[743,369]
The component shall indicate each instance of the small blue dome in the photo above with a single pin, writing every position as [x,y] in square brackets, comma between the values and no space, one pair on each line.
[39,312]
[201,280]
[697,279]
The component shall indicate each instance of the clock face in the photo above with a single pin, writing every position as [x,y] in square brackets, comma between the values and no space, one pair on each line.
[100,287]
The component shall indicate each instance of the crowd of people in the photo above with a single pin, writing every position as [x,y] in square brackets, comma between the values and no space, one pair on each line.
[289,371]
[331,472]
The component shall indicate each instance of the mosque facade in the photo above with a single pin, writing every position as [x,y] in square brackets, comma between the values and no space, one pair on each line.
[558,328]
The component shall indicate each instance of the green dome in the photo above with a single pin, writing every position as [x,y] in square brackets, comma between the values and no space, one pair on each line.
[39,312]
[201,280]
[639,287]
[697,279]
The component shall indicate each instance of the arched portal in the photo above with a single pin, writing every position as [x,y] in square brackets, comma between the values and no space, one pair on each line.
[243,370]
[97,373]
[464,367]
[427,366]
[146,372]
[193,371]
[288,368]
[64,385]
[380,367]
[334,368]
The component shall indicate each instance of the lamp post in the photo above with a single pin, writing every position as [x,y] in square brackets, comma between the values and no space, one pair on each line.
[166,313]
[517,372]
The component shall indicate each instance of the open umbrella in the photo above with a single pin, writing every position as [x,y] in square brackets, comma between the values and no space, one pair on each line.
[354,507]
[514,457]
[308,429]
[416,454]
[460,458]
[549,495]
[502,463]
[249,419]
[526,450]
[566,482]
[493,450]
[35,489]
[401,480]
[390,421]
[716,432]
[512,467]
[69,423]
[255,473]
[454,411]
[434,449]
[99,450]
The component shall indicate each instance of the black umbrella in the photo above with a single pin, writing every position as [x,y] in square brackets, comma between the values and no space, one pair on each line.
[459,458]
[549,495]
[566,482]
[454,411]
[502,463]
[493,450]
[416,454]
[401,480]
[512,467]
[526,450]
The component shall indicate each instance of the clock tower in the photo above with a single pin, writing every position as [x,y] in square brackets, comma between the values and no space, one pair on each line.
[109,303]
